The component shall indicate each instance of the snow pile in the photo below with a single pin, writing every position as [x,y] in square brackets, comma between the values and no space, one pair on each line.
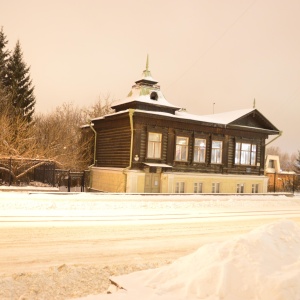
[263,264]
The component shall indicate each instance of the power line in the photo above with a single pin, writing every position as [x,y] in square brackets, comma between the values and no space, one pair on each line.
[214,43]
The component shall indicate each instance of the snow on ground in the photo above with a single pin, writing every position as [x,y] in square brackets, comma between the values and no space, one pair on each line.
[89,204]
[263,264]
[146,208]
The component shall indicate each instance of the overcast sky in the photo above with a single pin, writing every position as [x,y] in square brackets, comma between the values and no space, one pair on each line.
[226,52]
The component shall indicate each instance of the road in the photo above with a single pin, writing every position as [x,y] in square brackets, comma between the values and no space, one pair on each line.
[59,246]
[33,243]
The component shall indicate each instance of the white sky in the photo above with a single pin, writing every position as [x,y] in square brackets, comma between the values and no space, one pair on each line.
[201,52]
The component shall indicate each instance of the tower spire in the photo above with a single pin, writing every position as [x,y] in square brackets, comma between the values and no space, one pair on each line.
[147,63]
[146,75]
[146,72]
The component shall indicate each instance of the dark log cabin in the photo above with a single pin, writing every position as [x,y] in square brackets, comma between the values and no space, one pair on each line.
[151,146]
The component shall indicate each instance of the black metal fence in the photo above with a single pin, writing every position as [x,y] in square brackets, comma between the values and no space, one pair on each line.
[21,172]
[69,181]
[45,174]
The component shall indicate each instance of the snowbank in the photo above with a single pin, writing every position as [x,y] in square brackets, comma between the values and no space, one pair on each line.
[263,264]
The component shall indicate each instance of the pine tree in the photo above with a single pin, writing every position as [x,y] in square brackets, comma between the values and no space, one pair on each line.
[19,84]
[4,55]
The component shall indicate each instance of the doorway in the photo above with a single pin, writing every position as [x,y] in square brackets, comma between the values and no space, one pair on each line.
[152,182]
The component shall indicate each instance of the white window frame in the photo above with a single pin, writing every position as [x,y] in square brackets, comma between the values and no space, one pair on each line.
[216,152]
[182,148]
[215,188]
[240,188]
[154,146]
[255,188]
[179,187]
[245,154]
[199,150]
[198,187]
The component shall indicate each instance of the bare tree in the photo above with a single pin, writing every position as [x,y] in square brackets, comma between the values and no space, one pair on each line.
[19,149]
[55,137]
[59,136]
[100,108]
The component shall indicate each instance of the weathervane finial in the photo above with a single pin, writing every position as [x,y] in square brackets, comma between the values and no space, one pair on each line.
[254,103]
[147,63]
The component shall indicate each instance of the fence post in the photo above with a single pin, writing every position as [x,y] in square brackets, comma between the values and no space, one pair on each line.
[9,171]
[44,173]
[53,177]
[82,181]
[69,181]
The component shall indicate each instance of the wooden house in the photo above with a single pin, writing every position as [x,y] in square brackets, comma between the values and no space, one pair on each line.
[149,145]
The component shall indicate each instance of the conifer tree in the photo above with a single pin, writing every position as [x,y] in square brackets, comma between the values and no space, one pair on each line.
[4,55]
[19,84]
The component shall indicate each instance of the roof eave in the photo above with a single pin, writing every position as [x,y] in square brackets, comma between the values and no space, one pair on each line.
[147,103]
[255,129]
[261,116]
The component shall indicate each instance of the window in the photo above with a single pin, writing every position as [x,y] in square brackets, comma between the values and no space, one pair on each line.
[198,187]
[153,96]
[216,152]
[240,188]
[245,154]
[181,148]
[255,187]
[199,150]
[179,188]
[154,145]
[215,187]
[271,164]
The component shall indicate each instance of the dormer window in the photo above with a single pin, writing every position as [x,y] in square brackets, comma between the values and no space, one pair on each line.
[153,96]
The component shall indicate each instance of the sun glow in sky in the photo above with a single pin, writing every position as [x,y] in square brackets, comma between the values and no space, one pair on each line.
[208,56]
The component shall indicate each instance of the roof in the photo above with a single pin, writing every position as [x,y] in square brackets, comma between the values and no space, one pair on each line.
[221,118]
[145,91]
[142,94]
[146,97]
[226,119]
[146,75]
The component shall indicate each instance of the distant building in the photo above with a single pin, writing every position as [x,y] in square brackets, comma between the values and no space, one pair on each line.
[279,180]
[149,145]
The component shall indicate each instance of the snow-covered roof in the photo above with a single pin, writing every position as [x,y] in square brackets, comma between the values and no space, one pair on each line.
[225,118]
[146,91]
[221,118]
[109,115]
[142,94]
[146,76]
